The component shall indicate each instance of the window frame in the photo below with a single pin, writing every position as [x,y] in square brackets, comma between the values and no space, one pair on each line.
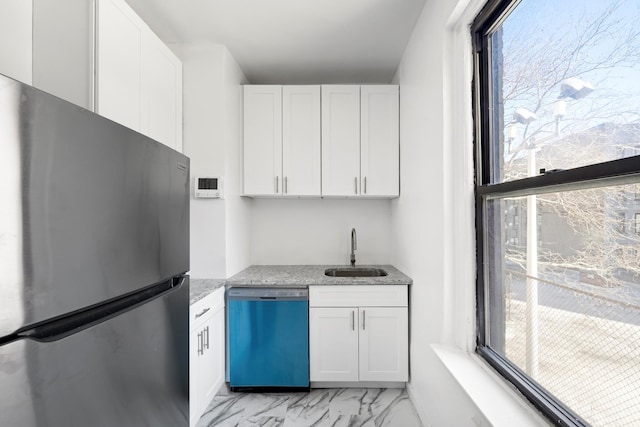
[615,172]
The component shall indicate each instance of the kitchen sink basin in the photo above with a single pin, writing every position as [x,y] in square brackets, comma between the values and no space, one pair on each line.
[355,272]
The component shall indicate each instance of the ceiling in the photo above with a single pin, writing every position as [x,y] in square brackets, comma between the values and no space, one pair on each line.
[293,41]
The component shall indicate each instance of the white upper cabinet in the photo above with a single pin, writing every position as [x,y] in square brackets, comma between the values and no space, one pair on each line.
[139,79]
[15,40]
[340,140]
[330,140]
[100,55]
[380,140]
[262,140]
[119,63]
[64,48]
[301,140]
[161,93]
[361,141]
[281,140]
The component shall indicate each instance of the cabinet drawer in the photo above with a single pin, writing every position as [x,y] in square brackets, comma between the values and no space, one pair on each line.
[207,306]
[358,296]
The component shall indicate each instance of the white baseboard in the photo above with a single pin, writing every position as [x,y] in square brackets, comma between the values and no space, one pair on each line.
[422,414]
[357,384]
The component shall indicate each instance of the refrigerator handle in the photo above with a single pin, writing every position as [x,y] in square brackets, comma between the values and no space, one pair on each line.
[75,322]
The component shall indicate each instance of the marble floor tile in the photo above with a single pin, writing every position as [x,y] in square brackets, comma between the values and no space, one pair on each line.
[350,401]
[317,408]
[263,422]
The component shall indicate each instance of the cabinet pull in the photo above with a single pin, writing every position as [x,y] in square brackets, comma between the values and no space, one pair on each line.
[365,185]
[207,339]
[363,317]
[202,313]
[286,185]
[200,344]
[353,321]
[277,185]
[356,187]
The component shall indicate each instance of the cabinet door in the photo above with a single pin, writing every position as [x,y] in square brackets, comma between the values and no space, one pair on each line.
[210,367]
[16,40]
[333,344]
[195,348]
[63,49]
[216,358]
[340,140]
[207,373]
[380,140]
[206,352]
[119,41]
[384,352]
[301,140]
[161,92]
[262,140]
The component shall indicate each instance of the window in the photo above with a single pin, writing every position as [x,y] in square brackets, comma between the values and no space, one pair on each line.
[557,119]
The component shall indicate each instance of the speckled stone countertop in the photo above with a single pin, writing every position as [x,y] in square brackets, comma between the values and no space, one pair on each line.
[305,275]
[200,288]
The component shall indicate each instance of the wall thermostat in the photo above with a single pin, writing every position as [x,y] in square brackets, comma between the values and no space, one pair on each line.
[209,187]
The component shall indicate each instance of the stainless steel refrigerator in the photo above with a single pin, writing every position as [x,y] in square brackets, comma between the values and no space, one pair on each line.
[94,247]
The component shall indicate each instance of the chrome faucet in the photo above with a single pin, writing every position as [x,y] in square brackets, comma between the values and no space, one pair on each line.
[354,246]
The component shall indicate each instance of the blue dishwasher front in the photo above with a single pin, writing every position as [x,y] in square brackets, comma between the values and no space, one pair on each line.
[268,339]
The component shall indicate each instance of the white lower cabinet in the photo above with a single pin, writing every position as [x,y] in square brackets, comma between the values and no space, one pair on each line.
[206,352]
[383,344]
[362,342]
[333,344]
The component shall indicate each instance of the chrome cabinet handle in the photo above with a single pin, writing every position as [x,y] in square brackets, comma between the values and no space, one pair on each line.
[202,313]
[277,185]
[207,339]
[200,344]
[363,317]
[356,187]
[286,185]
[365,185]
[353,321]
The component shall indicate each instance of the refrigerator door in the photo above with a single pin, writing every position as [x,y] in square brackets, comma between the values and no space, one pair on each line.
[129,371]
[91,210]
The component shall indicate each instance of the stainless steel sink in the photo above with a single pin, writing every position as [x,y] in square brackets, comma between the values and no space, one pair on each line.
[355,272]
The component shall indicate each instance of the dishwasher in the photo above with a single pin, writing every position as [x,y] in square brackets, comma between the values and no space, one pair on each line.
[268,339]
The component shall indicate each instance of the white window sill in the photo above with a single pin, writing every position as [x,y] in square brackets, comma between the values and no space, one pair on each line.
[500,404]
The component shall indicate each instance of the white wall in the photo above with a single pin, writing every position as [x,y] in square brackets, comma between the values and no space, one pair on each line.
[213,141]
[432,224]
[15,39]
[238,209]
[318,231]
[229,235]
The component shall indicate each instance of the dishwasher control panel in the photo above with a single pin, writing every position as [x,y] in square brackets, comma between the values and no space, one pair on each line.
[267,293]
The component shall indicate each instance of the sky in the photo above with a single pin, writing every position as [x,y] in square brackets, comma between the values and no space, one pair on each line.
[536,34]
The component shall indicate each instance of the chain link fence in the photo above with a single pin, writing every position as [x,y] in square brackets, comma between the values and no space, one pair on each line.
[581,342]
